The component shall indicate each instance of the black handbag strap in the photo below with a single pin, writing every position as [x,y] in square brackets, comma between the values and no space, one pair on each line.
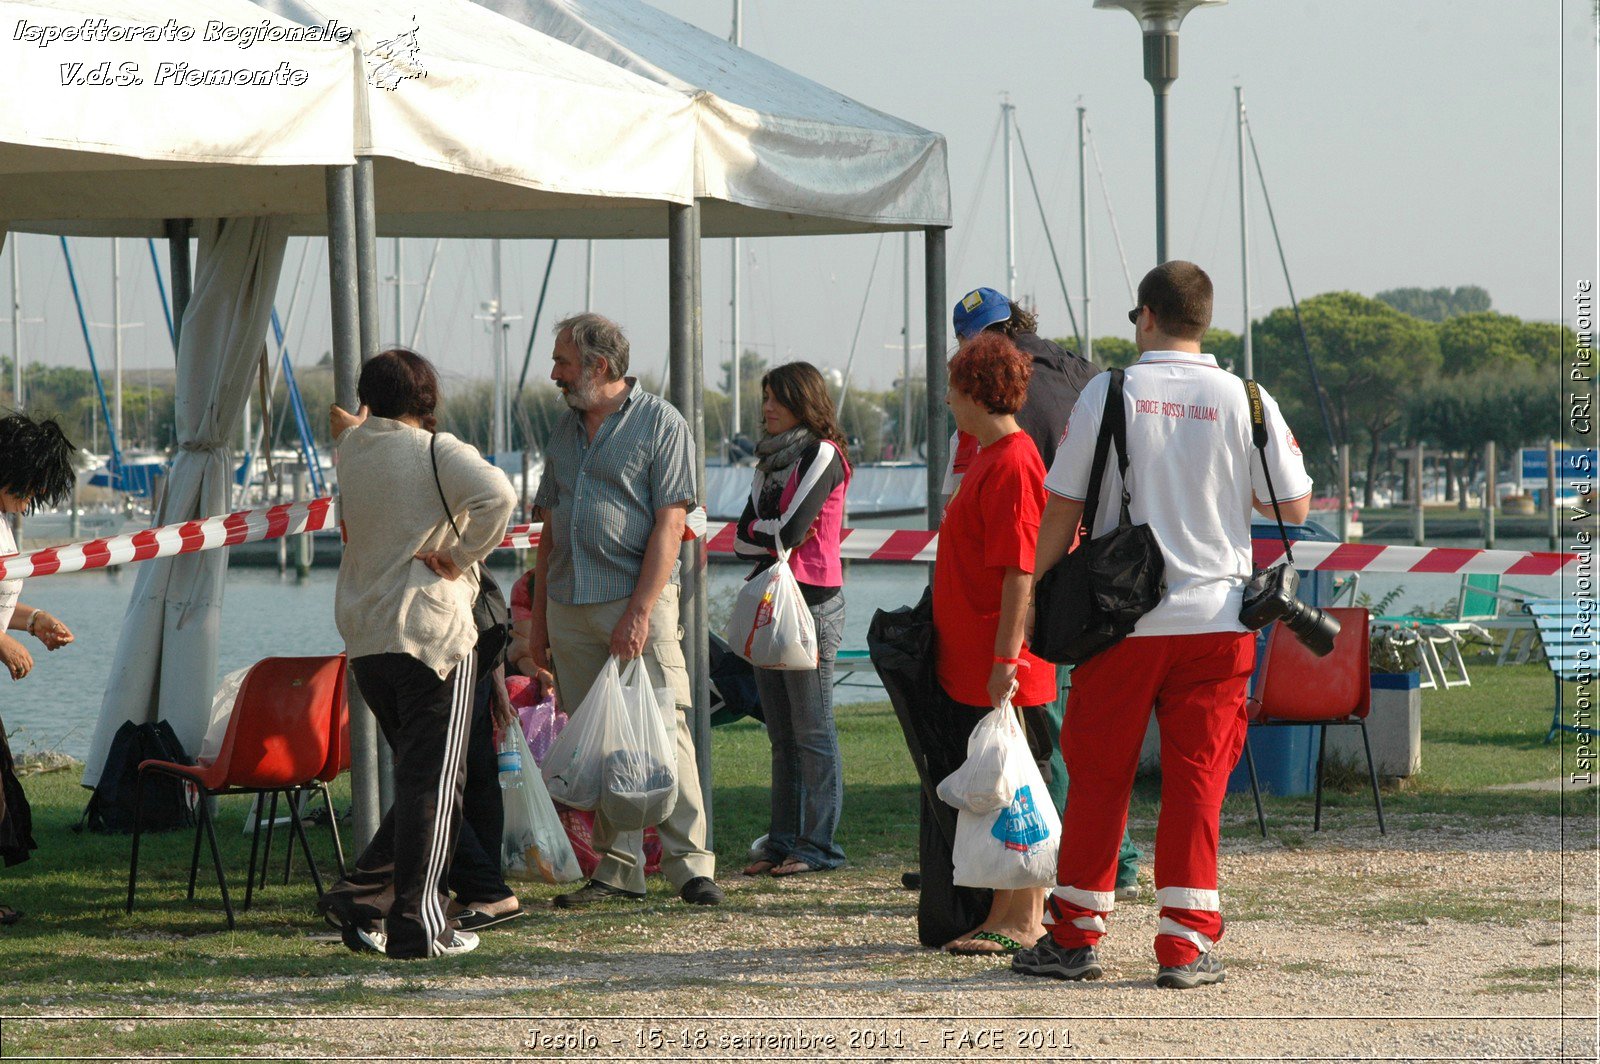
[1258,433]
[433,456]
[1102,446]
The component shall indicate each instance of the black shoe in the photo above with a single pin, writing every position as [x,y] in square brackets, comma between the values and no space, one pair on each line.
[702,890]
[1202,971]
[911,880]
[1058,962]
[592,893]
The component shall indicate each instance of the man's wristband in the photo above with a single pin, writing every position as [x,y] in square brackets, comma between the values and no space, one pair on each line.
[32,618]
[1020,663]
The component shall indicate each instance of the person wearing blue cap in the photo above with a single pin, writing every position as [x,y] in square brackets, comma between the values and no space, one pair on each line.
[1058,377]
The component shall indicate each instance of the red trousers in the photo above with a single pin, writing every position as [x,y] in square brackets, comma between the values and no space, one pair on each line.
[1197,684]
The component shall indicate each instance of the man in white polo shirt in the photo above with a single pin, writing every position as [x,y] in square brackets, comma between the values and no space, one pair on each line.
[1194,476]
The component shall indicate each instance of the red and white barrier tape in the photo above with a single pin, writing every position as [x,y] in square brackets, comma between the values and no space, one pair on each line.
[857,544]
[246,526]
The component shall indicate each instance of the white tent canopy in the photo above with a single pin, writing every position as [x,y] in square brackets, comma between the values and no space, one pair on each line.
[775,153]
[151,144]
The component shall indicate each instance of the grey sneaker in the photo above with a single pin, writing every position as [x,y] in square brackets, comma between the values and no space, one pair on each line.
[1057,962]
[1202,971]
[1128,892]
[360,939]
[459,942]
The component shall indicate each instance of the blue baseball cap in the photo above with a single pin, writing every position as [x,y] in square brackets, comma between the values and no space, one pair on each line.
[979,309]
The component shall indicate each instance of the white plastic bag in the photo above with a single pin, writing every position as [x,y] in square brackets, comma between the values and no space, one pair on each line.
[221,710]
[574,766]
[771,626]
[534,844]
[1014,847]
[981,785]
[640,783]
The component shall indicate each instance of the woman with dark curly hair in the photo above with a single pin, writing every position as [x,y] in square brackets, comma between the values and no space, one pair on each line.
[35,469]
[982,580]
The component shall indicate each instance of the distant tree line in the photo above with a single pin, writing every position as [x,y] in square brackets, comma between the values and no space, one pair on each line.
[1412,365]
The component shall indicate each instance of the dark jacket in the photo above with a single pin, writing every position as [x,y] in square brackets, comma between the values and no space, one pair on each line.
[1058,378]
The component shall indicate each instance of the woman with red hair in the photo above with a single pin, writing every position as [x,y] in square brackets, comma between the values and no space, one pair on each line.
[981,585]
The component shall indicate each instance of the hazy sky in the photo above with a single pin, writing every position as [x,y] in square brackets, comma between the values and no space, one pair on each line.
[1421,142]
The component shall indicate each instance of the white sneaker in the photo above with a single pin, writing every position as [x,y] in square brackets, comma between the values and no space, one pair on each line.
[458,942]
[370,940]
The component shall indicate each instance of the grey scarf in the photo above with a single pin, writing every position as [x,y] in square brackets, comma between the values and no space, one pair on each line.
[776,454]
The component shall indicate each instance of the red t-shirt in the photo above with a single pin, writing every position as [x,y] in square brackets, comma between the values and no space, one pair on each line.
[991,525]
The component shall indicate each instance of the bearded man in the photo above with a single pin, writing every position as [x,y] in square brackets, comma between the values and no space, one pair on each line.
[617,487]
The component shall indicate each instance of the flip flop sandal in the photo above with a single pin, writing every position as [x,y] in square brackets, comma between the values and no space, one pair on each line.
[760,868]
[9,916]
[793,868]
[475,920]
[1007,945]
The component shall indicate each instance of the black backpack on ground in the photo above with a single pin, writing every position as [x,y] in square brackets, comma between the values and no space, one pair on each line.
[168,802]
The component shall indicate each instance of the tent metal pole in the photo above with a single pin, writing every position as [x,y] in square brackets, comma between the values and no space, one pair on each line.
[368,326]
[686,360]
[345,304]
[177,230]
[934,311]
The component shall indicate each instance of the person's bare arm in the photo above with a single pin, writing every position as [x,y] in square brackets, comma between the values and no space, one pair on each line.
[538,622]
[43,626]
[1295,511]
[1016,588]
[1057,526]
[633,629]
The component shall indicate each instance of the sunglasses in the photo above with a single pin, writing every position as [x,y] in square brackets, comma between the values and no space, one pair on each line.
[1133,315]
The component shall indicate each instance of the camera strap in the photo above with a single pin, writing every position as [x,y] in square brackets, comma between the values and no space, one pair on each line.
[1258,433]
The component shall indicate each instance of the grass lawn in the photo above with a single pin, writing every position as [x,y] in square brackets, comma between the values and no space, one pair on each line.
[78,950]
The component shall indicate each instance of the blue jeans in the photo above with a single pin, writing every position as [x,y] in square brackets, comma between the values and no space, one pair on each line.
[807,781]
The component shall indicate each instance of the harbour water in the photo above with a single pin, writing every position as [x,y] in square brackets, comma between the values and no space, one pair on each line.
[56,706]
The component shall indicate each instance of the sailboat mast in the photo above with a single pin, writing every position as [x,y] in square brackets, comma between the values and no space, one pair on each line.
[116,337]
[1011,205]
[1244,233]
[737,377]
[1083,242]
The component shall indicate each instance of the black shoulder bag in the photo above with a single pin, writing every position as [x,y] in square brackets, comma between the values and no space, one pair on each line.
[489,612]
[1094,596]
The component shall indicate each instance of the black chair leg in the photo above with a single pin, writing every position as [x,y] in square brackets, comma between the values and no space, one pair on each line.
[1322,753]
[1372,774]
[1255,785]
[194,857]
[216,859]
[333,828]
[255,842]
[299,831]
[138,823]
[291,799]
[272,822]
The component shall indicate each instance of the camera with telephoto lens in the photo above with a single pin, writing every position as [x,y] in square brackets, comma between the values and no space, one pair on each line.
[1274,595]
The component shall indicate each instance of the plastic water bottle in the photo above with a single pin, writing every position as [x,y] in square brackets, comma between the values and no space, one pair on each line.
[510,758]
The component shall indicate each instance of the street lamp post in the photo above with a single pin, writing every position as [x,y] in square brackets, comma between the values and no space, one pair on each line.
[1160,19]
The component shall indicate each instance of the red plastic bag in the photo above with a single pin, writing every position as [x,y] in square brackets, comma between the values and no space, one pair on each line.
[580,832]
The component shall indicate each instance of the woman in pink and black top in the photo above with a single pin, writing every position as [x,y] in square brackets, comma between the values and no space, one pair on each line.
[802,471]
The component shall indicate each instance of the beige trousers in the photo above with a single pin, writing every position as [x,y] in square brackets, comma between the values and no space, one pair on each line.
[580,642]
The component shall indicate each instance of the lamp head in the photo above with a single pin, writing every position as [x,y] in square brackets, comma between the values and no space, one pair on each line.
[1158,16]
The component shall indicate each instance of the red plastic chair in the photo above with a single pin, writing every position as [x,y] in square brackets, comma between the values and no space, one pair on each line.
[280,739]
[1295,688]
[338,763]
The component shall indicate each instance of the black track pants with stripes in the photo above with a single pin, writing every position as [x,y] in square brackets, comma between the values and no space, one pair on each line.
[426,721]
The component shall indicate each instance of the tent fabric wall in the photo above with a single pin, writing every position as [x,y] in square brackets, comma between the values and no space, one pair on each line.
[770,142]
[165,666]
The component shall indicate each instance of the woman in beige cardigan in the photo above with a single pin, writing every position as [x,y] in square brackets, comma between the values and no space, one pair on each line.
[404,607]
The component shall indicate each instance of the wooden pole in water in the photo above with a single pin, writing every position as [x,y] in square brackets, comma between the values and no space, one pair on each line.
[1491,491]
[1344,493]
[1550,492]
[1418,531]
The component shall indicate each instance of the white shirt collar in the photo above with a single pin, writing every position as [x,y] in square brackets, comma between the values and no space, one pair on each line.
[1179,356]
